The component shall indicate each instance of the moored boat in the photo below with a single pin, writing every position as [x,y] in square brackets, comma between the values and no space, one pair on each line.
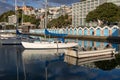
[82,57]
[93,53]
[48,45]
[59,44]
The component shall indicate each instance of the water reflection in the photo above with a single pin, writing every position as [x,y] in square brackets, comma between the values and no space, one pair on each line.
[40,55]
[106,64]
[98,44]
[10,62]
[19,64]
[86,60]
[118,59]
[37,60]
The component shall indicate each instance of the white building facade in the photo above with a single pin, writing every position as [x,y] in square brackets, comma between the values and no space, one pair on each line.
[117,2]
[81,9]
[12,19]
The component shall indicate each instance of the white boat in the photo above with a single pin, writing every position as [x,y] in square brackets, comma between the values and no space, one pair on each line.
[93,53]
[83,57]
[48,45]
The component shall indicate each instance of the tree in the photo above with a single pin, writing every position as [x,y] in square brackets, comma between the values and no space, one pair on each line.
[107,12]
[20,16]
[63,20]
[4,16]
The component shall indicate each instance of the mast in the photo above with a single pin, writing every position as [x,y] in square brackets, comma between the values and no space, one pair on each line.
[46,3]
[46,6]
[22,13]
[16,14]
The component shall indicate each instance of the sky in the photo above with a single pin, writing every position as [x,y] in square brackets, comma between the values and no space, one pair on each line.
[40,3]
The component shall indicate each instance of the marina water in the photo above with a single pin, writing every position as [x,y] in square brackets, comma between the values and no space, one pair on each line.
[17,63]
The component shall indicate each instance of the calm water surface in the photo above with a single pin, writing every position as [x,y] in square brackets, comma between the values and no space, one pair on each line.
[16,63]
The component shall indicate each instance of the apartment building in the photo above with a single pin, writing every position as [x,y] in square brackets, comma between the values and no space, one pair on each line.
[81,9]
[117,2]
[54,13]
[27,10]
[12,19]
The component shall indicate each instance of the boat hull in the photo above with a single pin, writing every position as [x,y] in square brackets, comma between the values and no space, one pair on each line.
[47,45]
[85,54]
[83,57]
